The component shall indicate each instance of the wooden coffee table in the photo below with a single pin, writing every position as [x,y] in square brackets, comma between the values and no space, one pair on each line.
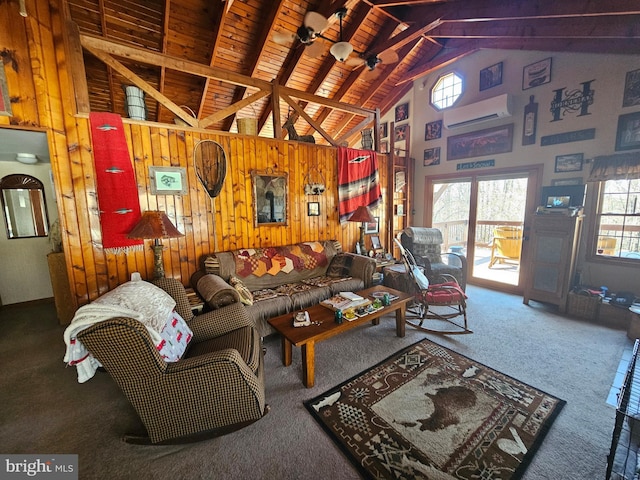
[307,337]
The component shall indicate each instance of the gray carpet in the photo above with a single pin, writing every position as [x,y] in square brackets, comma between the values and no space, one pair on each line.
[45,410]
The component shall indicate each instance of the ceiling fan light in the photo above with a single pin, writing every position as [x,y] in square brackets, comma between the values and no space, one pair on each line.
[341,50]
[372,61]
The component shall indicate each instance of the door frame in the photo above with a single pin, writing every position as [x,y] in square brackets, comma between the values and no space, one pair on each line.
[534,175]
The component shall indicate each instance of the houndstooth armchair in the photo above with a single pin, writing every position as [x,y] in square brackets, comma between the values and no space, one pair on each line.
[215,388]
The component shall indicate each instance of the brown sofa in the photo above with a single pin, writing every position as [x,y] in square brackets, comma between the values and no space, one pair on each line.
[285,279]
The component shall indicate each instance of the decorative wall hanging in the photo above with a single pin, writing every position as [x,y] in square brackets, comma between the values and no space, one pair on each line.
[489,141]
[400,133]
[530,122]
[431,156]
[316,187]
[400,180]
[491,76]
[536,74]
[631,89]
[367,139]
[568,137]
[384,146]
[115,182]
[5,101]
[571,101]
[433,130]
[384,130]
[358,180]
[567,181]
[372,227]
[479,164]
[569,163]
[628,134]
[313,209]
[168,180]
[402,112]
[210,162]
[270,197]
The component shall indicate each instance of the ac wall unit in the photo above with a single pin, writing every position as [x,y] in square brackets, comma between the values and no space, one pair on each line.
[483,111]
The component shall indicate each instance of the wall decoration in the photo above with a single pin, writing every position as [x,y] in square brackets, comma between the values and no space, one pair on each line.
[431,156]
[569,163]
[384,146]
[570,101]
[628,135]
[567,181]
[372,227]
[631,89]
[536,74]
[478,164]
[375,243]
[168,180]
[400,133]
[568,137]
[384,130]
[530,122]
[400,180]
[489,141]
[433,130]
[491,76]
[313,209]
[399,210]
[5,102]
[402,112]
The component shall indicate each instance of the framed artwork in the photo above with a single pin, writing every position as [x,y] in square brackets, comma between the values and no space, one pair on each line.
[491,76]
[5,103]
[536,74]
[631,95]
[372,227]
[402,112]
[431,156]
[489,141]
[400,133]
[313,209]
[433,130]
[384,130]
[569,163]
[400,180]
[375,242]
[384,146]
[628,134]
[567,181]
[168,180]
[400,210]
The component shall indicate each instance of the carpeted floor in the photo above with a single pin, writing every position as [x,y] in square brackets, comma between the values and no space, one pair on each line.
[45,410]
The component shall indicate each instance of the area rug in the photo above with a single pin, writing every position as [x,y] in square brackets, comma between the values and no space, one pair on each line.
[428,412]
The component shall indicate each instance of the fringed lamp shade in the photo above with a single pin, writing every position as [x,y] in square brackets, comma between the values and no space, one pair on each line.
[362,215]
[155,225]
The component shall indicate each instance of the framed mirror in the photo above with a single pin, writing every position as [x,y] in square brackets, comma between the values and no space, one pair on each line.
[269,198]
[24,207]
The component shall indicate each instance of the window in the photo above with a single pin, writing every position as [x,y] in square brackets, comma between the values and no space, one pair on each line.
[446,91]
[618,220]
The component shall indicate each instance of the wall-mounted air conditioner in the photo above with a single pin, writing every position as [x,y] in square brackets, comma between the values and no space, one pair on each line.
[483,111]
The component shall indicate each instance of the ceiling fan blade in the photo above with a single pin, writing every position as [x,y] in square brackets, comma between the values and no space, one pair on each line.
[371,75]
[316,22]
[283,38]
[353,62]
[315,49]
[388,57]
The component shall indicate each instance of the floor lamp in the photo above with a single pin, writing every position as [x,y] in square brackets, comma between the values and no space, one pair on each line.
[363,215]
[155,225]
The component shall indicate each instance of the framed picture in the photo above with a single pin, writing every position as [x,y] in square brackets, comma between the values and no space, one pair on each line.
[372,227]
[491,76]
[431,156]
[536,74]
[489,141]
[5,103]
[569,163]
[384,130]
[384,146]
[400,180]
[400,210]
[400,133]
[631,89]
[628,135]
[402,112]
[168,180]
[567,181]
[375,242]
[313,209]
[433,130]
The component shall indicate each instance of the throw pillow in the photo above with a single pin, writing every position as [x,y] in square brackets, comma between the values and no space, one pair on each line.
[175,335]
[245,295]
[340,266]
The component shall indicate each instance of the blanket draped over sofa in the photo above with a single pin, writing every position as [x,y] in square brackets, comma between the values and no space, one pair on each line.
[287,278]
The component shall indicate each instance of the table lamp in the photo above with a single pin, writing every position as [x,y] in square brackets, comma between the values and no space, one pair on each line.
[156,225]
[363,215]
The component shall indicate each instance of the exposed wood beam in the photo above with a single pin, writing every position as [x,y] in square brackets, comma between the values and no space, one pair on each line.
[446,57]
[233,108]
[218,24]
[303,114]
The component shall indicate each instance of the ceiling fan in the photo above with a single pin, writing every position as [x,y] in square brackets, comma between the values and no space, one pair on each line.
[370,62]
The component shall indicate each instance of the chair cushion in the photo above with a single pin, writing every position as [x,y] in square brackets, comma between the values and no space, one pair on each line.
[246,296]
[445,294]
[175,335]
[245,340]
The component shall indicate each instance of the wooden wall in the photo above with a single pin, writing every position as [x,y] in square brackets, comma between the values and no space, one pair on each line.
[42,96]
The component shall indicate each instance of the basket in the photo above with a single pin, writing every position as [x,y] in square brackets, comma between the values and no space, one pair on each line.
[583,304]
[247,126]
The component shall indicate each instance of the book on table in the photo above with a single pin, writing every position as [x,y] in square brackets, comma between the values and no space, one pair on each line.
[344,301]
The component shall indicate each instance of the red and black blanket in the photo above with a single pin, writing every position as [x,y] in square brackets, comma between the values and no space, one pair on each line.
[358,180]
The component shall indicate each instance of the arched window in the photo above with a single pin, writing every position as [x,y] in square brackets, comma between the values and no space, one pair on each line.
[23,203]
[446,91]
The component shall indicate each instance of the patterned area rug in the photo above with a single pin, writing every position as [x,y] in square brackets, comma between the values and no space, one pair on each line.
[428,412]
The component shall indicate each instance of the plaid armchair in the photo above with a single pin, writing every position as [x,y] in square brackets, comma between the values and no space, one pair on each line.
[215,388]
[425,245]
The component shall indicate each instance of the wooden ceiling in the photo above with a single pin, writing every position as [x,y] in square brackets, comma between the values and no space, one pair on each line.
[238,36]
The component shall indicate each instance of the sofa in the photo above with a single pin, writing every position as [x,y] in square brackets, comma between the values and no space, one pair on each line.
[273,281]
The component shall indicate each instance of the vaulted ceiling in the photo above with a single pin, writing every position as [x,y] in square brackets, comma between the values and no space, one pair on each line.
[257,39]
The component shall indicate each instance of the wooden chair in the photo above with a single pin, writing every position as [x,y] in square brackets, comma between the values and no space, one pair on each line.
[506,244]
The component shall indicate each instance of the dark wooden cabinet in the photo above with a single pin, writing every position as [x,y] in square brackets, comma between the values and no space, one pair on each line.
[552,246]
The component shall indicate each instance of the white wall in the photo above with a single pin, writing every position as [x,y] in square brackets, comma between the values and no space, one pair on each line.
[24,275]
[568,71]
